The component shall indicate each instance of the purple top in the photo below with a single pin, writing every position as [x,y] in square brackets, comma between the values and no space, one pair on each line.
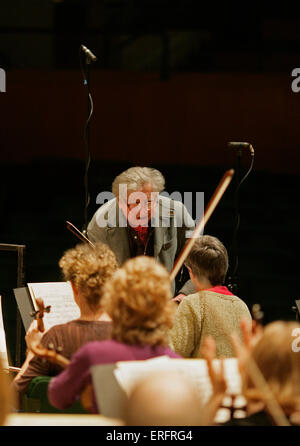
[65,389]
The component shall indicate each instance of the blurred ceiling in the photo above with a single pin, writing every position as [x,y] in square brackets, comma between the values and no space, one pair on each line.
[151,35]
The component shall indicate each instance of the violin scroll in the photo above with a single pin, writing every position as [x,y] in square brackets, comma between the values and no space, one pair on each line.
[257,313]
[39,314]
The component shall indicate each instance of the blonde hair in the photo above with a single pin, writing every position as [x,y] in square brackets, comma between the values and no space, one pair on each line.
[136,177]
[138,300]
[88,269]
[279,364]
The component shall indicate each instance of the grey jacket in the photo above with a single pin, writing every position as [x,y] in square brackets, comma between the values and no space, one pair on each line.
[171,222]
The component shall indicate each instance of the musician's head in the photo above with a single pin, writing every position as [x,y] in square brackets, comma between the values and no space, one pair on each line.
[137,190]
[277,355]
[138,300]
[88,269]
[163,399]
[207,262]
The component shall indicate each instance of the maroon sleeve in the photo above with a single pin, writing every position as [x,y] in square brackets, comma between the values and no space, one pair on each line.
[37,366]
[65,389]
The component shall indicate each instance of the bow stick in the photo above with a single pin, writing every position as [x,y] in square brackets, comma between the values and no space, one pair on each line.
[221,188]
[257,377]
[78,234]
[253,370]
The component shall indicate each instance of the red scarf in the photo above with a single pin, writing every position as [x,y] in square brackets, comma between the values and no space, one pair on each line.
[142,232]
[220,289]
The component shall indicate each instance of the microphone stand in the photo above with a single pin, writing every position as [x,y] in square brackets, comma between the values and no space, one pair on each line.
[232,279]
[86,76]
[232,284]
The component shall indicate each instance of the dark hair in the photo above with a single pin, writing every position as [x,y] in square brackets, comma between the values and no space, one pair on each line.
[208,258]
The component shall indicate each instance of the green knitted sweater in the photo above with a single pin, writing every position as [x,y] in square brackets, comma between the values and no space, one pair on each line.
[207,313]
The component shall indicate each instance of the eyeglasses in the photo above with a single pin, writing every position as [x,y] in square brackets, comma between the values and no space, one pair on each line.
[147,204]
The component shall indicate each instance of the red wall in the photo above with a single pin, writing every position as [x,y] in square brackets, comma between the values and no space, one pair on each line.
[138,118]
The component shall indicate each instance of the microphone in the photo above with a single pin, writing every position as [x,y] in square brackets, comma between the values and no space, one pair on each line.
[88,53]
[241,145]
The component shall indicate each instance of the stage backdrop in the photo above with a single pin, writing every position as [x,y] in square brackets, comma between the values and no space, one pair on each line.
[141,119]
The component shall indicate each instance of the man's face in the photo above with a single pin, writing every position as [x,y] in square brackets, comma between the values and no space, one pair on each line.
[140,206]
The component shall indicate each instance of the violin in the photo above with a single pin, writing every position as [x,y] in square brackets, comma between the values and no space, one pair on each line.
[257,314]
[39,314]
[34,345]
[51,354]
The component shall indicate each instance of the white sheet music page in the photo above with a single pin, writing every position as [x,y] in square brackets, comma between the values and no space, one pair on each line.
[60,296]
[128,373]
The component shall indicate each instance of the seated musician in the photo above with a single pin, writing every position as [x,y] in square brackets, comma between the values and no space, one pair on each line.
[276,354]
[164,398]
[87,269]
[213,310]
[171,398]
[138,300]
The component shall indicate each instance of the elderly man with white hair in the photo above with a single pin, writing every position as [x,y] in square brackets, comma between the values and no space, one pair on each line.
[141,221]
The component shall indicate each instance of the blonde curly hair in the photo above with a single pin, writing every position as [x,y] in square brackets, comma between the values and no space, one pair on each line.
[88,269]
[138,300]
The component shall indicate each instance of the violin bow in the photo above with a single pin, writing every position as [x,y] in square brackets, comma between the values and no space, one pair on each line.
[78,234]
[258,378]
[256,375]
[219,192]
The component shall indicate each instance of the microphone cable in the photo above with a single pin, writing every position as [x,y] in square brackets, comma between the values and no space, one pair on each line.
[238,220]
[86,82]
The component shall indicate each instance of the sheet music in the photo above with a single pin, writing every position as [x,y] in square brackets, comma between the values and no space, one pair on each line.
[3,349]
[60,296]
[128,373]
[114,382]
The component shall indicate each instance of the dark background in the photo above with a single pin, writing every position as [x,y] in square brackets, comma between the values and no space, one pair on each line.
[174,82]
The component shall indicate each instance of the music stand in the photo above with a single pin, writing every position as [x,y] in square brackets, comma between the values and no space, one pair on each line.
[20,282]
[297,309]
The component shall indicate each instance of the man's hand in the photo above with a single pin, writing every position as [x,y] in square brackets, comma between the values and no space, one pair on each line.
[178,298]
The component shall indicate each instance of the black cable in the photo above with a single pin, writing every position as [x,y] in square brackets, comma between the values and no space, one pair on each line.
[233,286]
[86,82]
